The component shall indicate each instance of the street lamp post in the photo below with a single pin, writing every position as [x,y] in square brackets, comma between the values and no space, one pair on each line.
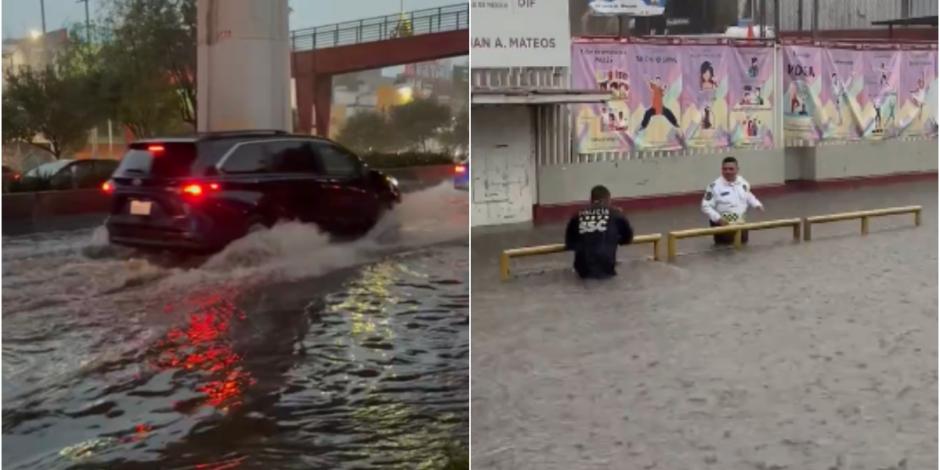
[42,12]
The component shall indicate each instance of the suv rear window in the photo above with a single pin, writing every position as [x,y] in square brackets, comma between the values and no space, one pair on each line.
[169,160]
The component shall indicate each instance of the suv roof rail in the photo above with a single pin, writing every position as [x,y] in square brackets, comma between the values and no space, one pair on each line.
[244,132]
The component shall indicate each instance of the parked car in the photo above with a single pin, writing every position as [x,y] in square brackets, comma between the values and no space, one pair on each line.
[462,175]
[67,174]
[10,176]
[202,192]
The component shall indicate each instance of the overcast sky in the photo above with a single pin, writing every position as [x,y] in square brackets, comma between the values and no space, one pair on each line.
[20,16]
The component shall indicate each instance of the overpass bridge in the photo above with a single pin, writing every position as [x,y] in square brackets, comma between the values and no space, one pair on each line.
[319,53]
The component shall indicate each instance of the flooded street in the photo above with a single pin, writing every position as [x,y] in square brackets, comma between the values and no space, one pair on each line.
[817,355]
[282,351]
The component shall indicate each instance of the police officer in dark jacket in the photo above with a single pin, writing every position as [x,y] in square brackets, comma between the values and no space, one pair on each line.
[594,233]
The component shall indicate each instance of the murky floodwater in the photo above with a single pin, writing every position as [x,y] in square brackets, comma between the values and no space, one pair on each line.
[283,351]
[819,355]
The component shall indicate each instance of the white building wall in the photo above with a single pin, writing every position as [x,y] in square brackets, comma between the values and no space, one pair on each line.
[503,182]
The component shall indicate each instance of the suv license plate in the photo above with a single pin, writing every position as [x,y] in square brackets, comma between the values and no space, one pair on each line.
[140,207]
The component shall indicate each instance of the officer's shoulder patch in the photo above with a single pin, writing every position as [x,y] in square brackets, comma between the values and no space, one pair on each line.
[745,188]
[708,195]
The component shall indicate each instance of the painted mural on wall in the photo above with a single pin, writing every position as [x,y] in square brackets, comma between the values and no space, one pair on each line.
[846,92]
[704,98]
[679,95]
[673,96]
[644,111]
[802,110]
[917,112]
[752,96]
[844,86]
[879,99]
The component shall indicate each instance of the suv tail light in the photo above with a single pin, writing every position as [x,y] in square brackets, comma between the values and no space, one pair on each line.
[198,190]
[460,169]
[108,187]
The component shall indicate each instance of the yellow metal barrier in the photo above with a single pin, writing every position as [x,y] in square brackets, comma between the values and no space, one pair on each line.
[672,242]
[559,248]
[863,215]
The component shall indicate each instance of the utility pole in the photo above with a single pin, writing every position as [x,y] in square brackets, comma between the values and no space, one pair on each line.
[815,18]
[763,19]
[777,20]
[42,11]
[799,19]
[87,21]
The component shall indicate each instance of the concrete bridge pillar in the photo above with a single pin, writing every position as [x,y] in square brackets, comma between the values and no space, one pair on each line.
[243,65]
[314,99]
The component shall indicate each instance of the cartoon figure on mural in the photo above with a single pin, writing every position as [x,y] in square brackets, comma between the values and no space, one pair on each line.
[620,124]
[707,117]
[612,120]
[879,126]
[657,107]
[919,96]
[752,97]
[617,82]
[884,76]
[794,98]
[751,126]
[707,76]
[838,92]
[754,70]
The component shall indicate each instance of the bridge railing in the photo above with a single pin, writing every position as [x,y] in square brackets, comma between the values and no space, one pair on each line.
[381,28]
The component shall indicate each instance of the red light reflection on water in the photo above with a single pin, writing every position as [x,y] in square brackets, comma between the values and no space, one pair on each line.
[204,346]
[223,465]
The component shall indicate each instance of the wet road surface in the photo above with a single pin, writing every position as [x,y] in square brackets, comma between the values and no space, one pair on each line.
[818,355]
[282,351]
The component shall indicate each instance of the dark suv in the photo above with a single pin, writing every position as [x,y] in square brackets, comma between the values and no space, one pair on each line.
[203,192]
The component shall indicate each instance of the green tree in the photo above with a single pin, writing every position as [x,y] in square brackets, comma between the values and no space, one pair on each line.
[416,122]
[56,102]
[368,132]
[148,82]
[457,136]
[16,125]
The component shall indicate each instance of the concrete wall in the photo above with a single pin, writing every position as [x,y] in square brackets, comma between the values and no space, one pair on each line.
[563,184]
[503,168]
[664,176]
[30,206]
[866,159]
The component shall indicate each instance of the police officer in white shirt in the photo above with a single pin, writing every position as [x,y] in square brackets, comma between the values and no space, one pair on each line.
[727,199]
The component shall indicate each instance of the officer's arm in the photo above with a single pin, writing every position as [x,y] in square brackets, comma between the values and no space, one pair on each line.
[752,200]
[572,234]
[709,204]
[626,231]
